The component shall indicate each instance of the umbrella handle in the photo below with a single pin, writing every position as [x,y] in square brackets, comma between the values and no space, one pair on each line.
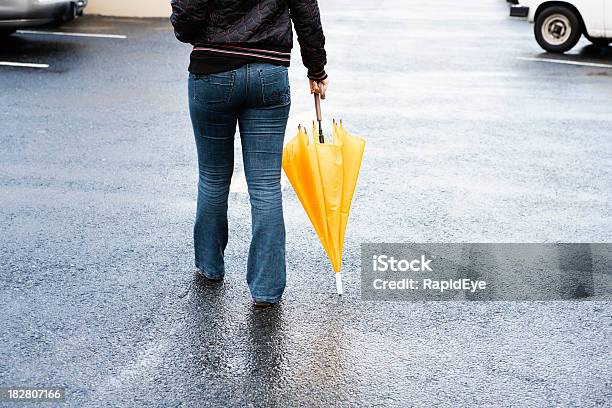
[317,99]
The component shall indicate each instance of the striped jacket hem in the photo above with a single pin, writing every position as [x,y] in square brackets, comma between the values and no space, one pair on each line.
[275,56]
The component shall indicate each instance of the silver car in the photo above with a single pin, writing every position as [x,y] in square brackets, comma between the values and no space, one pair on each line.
[16,14]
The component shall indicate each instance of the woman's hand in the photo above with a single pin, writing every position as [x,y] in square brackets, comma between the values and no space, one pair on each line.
[319,87]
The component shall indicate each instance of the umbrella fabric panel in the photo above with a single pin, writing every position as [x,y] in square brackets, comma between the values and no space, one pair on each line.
[324,177]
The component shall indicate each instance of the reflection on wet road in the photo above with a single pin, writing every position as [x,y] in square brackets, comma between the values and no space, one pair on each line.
[466,143]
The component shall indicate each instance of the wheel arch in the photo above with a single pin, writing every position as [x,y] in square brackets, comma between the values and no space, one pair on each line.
[570,6]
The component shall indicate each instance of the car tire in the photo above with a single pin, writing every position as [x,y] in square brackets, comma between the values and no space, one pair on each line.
[72,13]
[557,29]
[66,15]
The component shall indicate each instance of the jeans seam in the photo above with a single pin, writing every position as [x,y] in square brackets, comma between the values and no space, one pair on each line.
[230,93]
[262,85]
[207,275]
[267,299]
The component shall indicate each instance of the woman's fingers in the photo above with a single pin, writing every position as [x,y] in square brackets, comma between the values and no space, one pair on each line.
[314,87]
[323,87]
[319,87]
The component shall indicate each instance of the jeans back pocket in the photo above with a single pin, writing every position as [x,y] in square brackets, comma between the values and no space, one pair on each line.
[213,88]
[275,85]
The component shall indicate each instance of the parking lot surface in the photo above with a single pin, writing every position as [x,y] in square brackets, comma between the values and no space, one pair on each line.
[471,137]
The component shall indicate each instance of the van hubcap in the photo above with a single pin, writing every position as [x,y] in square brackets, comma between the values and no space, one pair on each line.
[556,29]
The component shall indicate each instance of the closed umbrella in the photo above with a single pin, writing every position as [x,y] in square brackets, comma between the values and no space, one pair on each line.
[323,172]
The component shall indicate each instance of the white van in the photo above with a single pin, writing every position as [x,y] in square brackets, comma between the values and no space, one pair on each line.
[559,24]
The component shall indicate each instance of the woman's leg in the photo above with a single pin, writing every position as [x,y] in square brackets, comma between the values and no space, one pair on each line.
[262,130]
[214,123]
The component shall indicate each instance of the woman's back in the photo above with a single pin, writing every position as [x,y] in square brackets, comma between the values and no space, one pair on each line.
[263,22]
[252,30]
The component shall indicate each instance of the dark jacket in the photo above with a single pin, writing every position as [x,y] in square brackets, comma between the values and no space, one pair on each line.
[253,27]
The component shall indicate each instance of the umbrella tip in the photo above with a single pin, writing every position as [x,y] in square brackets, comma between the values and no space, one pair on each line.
[299,126]
[339,283]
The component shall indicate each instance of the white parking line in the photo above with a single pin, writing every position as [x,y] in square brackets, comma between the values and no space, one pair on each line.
[566,62]
[22,64]
[121,37]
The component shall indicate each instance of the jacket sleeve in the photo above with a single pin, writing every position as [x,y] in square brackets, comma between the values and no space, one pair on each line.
[189,18]
[307,22]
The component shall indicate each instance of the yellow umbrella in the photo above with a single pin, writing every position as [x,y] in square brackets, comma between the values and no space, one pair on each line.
[324,174]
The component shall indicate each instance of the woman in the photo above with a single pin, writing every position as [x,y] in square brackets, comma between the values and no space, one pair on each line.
[238,75]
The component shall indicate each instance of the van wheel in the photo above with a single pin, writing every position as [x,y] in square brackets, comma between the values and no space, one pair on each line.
[557,29]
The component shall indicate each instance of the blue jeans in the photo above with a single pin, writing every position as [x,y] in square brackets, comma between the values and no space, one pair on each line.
[257,98]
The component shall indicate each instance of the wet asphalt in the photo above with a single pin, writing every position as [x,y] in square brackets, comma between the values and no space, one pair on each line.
[466,143]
